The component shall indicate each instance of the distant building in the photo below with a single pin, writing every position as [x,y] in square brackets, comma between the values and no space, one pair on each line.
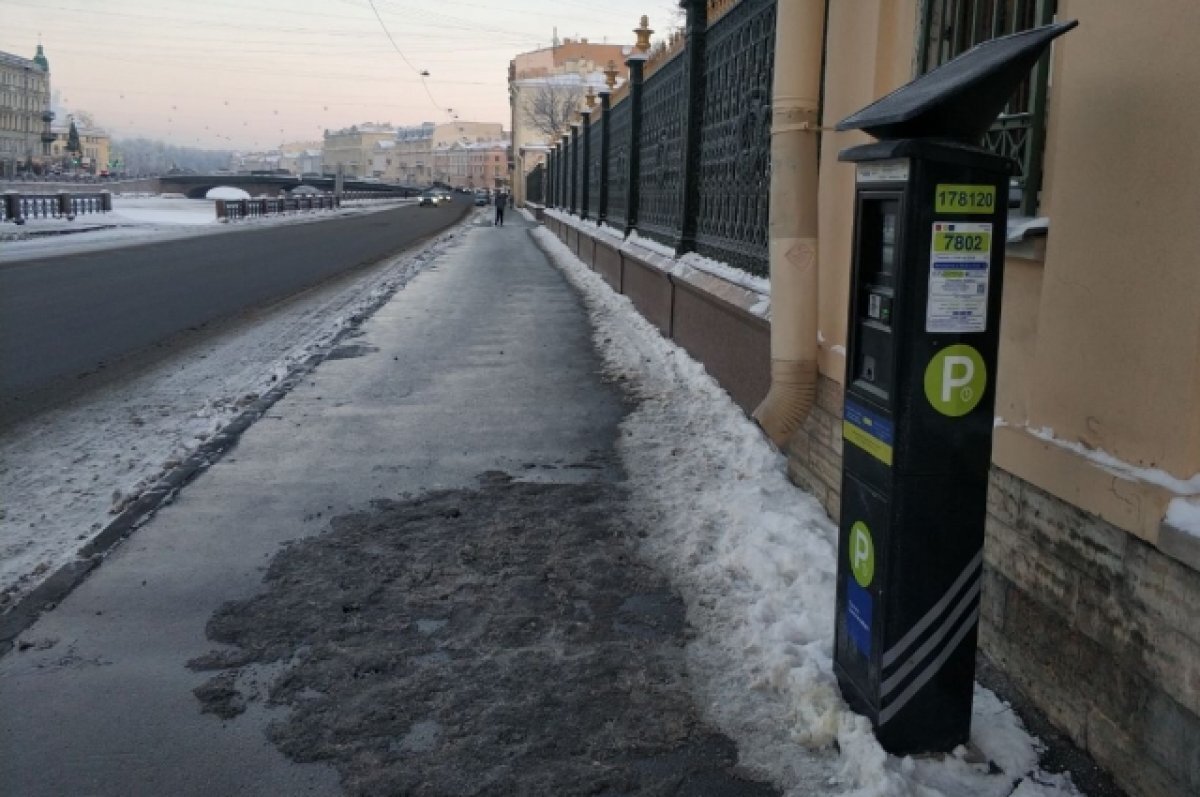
[476,164]
[420,154]
[24,112]
[413,156]
[301,157]
[95,144]
[352,148]
[559,75]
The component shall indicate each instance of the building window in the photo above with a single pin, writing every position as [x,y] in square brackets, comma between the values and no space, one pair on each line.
[951,27]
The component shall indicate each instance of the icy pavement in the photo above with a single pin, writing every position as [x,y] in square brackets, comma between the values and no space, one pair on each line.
[755,559]
[137,219]
[67,472]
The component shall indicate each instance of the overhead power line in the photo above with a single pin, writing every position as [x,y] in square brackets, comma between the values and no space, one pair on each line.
[420,73]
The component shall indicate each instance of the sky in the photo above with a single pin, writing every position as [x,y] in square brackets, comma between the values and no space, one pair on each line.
[252,74]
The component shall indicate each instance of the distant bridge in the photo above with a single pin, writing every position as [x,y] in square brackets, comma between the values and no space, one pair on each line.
[195,186]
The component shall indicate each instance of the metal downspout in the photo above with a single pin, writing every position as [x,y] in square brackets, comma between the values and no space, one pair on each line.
[792,245]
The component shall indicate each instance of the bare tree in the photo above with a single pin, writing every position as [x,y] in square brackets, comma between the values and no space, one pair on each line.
[550,107]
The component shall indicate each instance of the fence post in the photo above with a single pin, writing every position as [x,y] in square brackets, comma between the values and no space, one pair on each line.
[64,205]
[693,119]
[106,201]
[574,167]
[585,157]
[637,64]
[605,98]
[12,206]
[548,198]
[565,183]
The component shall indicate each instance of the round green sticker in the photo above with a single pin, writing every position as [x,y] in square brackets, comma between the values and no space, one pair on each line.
[955,380]
[862,554]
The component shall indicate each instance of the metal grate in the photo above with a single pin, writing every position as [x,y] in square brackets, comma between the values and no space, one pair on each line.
[735,141]
[951,27]
[618,162]
[660,181]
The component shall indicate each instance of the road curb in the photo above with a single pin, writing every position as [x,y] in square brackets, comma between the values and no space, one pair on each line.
[27,609]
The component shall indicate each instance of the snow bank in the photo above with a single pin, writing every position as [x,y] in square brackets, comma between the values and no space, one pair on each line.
[755,559]
[226,192]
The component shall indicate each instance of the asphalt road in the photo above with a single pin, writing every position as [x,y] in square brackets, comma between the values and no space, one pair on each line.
[63,318]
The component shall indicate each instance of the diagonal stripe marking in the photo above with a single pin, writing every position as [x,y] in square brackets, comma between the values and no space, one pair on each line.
[898,649]
[934,640]
[930,671]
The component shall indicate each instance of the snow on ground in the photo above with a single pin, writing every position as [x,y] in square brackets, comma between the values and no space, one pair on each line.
[755,559]
[138,219]
[65,473]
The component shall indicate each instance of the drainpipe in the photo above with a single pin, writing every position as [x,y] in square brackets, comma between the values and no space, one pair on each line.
[792,245]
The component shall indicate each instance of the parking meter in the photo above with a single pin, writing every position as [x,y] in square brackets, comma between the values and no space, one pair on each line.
[926,277]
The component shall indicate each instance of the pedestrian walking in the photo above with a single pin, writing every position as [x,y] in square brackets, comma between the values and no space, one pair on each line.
[501,199]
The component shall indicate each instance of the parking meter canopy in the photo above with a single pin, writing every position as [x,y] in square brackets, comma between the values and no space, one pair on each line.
[961,98]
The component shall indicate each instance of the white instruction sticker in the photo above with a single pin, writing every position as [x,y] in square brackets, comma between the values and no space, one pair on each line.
[960,259]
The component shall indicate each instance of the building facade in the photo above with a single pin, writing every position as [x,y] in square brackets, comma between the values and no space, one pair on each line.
[301,157]
[352,148]
[540,80]
[94,156]
[476,164]
[24,112]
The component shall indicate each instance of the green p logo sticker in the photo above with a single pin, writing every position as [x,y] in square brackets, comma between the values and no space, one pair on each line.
[955,380]
[862,554]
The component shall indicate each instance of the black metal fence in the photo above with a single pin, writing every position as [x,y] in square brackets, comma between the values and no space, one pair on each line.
[17,207]
[688,146]
[234,209]
[535,185]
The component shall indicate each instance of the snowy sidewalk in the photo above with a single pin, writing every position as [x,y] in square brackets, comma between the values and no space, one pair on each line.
[468,552]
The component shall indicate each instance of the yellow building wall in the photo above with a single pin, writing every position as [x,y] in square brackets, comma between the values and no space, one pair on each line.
[1101,342]
[869,52]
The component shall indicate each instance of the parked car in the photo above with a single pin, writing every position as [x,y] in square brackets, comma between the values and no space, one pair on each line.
[481,198]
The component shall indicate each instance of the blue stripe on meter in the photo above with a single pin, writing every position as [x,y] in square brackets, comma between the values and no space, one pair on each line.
[859,609]
[868,430]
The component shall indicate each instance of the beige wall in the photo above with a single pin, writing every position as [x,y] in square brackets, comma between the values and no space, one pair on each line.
[1100,337]
[869,53]
[1102,340]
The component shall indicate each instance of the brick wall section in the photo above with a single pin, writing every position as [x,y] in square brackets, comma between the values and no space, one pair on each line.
[814,452]
[1100,629]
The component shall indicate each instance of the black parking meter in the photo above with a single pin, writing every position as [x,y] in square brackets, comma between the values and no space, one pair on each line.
[928,259]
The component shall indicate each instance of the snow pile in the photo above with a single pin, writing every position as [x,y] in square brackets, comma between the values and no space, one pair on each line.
[755,559]
[226,192]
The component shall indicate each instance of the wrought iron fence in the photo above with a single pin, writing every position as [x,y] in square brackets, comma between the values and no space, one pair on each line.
[17,207]
[689,147]
[735,139]
[618,164]
[660,179]
[535,185]
[593,166]
[949,28]
[235,209]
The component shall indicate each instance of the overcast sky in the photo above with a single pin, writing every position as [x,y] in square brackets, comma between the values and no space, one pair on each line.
[250,74]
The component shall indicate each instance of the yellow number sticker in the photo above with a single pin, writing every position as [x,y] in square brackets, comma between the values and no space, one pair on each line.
[952,242]
[952,198]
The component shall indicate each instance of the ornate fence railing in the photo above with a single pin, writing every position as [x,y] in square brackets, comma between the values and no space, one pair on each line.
[735,136]
[618,164]
[660,179]
[235,209]
[535,183]
[17,207]
[593,166]
[688,141]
